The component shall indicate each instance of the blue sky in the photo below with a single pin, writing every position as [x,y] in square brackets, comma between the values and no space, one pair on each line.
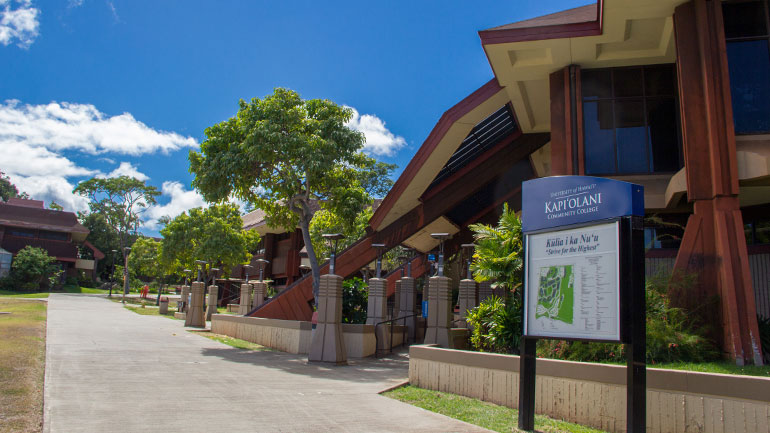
[107,87]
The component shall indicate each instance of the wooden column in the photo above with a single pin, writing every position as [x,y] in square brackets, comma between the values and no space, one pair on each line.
[566,122]
[713,246]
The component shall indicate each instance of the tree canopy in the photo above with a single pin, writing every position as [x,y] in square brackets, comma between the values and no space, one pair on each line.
[120,200]
[280,152]
[145,258]
[214,234]
[8,190]
[105,238]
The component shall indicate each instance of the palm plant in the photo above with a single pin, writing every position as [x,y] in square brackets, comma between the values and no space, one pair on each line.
[498,251]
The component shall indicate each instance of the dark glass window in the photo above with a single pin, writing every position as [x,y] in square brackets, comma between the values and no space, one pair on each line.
[22,233]
[630,120]
[56,236]
[747,32]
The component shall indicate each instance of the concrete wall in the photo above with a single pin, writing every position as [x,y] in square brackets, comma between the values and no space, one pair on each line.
[285,335]
[294,336]
[595,394]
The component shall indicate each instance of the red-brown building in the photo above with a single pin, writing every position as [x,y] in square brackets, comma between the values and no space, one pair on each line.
[27,223]
[670,94]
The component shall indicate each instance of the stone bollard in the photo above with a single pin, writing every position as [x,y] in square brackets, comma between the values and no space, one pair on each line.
[439,312]
[183,300]
[195,314]
[485,290]
[328,345]
[466,299]
[406,306]
[211,308]
[260,291]
[244,305]
[377,307]
[163,305]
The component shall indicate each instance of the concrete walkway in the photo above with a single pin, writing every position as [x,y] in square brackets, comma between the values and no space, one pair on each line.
[111,370]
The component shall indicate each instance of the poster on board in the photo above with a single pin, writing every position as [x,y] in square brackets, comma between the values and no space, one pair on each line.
[573,283]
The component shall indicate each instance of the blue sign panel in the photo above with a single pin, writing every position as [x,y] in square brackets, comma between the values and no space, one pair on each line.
[425,309]
[564,200]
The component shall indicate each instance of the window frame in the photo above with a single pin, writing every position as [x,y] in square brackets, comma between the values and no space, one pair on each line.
[644,98]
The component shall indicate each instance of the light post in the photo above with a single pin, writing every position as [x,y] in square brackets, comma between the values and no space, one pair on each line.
[441,237]
[187,273]
[247,270]
[409,257]
[201,269]
[378,264]
[468,250]
[304,270]
[262,263]
[126,252]
[333,239]
[112,276]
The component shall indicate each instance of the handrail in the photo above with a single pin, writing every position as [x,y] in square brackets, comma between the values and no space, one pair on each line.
[377,339]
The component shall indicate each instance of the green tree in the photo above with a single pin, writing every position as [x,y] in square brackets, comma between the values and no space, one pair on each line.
[32,266]
[106,239]
[144,259]
[498,251]
[326,222]
[7,189]
[498,257]
[279,153]
[120,200]
[214,234]
[55,206]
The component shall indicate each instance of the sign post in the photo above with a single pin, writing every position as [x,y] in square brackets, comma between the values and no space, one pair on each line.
[584,277]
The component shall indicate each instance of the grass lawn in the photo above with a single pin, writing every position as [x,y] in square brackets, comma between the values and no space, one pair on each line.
[722,367]
[22,364]
[230,341]
[477,412]
[149,311]
[10,294]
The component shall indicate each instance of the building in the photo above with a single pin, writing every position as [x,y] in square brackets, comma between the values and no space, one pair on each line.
[671,94]
[27,223]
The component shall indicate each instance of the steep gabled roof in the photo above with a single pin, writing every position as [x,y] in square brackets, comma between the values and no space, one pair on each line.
[36,218]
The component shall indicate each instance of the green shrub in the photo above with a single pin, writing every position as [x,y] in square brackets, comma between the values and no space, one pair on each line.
[496,325]
[354,300]
[764,335]
[31,269]
[672,336]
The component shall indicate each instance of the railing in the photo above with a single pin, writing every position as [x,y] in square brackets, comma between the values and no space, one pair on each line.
[403,338]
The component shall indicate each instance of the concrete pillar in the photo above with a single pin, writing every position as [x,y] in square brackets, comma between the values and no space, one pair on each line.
[466,299]
[377,308]
[183,300]
[260,291]
[211,308]
[406,305]
[485,290]
[245,304]
[195,315]
[439,312]
[328,345]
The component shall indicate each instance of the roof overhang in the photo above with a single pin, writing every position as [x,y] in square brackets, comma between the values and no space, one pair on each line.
[607,34]
[444,139]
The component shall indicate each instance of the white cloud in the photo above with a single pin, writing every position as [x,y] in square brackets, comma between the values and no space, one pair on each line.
[83,127]
[128,169]
[379,140]
[51,188]
[75,3]
[180,200]
[38,143]
[20,24]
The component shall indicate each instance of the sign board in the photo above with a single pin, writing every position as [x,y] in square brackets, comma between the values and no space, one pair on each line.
[584,277]
[572,235]
[573,281]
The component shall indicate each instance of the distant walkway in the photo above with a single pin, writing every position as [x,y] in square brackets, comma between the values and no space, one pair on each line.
[111,370]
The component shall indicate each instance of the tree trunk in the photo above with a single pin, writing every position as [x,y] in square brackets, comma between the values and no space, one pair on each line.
[304,224]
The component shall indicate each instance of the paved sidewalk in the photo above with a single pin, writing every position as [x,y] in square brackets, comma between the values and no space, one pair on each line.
[111,370]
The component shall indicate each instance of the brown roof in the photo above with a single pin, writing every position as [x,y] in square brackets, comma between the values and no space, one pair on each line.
[576,15]
[36,218]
